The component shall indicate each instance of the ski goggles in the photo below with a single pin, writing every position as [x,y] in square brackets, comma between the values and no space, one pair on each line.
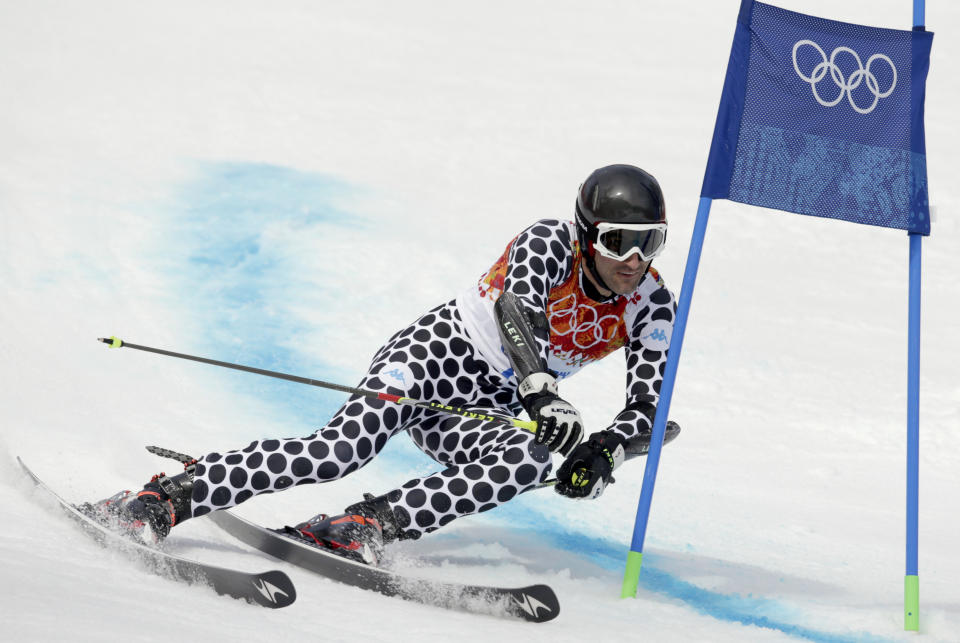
[619,241]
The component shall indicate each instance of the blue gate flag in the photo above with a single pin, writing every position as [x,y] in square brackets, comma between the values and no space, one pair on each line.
[823,118]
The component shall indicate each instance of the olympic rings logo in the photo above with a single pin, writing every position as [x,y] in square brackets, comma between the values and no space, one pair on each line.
[582,330]
[861,75]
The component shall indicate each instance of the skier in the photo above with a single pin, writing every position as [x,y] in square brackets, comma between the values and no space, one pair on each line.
[562,295]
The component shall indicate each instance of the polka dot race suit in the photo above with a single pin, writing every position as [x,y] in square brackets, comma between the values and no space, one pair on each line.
[452,354]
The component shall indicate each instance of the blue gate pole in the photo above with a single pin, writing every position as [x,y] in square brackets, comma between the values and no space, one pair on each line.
[911,583]
[911,594]
[631,576]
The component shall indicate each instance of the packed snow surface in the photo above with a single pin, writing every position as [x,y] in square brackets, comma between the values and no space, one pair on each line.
[286,184]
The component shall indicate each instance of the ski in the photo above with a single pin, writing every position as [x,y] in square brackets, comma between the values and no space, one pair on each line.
[536,603]
[271,589]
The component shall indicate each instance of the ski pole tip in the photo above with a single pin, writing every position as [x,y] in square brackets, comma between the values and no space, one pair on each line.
[113,342]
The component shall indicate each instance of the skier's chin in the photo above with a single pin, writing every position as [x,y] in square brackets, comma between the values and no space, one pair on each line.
[626,286]
[625,282]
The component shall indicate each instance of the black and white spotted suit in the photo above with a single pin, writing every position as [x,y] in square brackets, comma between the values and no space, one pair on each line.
[452,354]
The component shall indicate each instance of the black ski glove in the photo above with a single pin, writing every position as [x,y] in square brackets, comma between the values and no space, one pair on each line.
[559,425]
[586,471]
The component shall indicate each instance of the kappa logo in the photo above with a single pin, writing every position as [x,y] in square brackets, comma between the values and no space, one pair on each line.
[397,375]
[657,335]
[269,590]
[529,604]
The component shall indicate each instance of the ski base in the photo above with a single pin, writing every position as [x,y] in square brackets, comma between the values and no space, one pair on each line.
[536,603]
[272,589]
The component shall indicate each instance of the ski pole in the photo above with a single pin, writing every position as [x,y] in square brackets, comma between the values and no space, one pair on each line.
[116,342]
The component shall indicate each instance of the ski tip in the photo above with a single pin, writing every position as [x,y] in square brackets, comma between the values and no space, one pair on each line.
[274,590]
[536,603]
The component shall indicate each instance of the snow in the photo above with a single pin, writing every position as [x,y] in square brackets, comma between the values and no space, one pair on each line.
[286,185]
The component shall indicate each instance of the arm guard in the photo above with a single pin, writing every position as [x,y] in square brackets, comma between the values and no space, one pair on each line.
[519,329]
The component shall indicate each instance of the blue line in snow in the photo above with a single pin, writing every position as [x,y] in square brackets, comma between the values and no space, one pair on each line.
[228,248]
[610,555]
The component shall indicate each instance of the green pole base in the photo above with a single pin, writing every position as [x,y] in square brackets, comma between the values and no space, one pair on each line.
[911,603]
[631,575]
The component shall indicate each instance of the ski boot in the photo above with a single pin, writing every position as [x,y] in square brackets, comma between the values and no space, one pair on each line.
[148,515]
[359,534]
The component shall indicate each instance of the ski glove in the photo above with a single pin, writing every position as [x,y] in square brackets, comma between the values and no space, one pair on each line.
[559,425]
[586,471]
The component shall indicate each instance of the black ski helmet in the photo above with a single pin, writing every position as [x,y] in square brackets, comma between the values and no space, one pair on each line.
[615,194]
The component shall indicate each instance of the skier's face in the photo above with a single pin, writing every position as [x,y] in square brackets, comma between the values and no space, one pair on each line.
[622,277]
